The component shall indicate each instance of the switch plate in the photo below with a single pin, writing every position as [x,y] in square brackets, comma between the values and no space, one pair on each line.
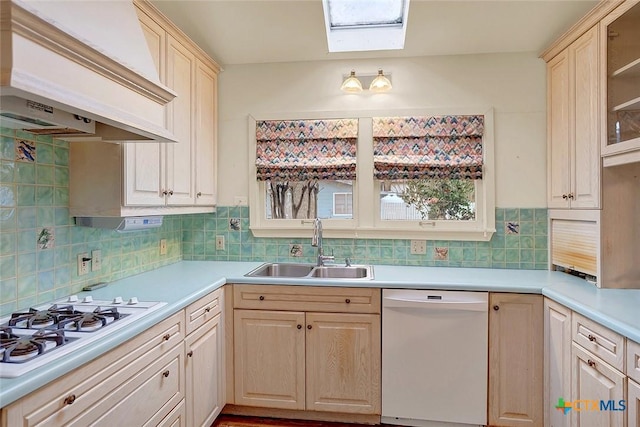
[96,260]
[163,246]
[83,266]
[418,247]
[219,243]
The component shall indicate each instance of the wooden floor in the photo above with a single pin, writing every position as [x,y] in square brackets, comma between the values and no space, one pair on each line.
[237,421]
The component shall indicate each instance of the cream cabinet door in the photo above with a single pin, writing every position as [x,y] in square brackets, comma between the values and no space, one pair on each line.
[343,362]
[181,64]
[515,360]
[558,133]
[205,373]
[633,404]
[143,169]
[585,156]
[593,381]
[206,128]
[557,361]
[269,360]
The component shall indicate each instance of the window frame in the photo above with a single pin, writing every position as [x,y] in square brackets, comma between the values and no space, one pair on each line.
[347,215]
[366,222]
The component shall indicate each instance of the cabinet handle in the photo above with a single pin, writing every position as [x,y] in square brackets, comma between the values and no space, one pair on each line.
[190,354]
[166,337]
[571,196]
[166,374]
[171,192]
[348,301]
[591,338]
[496,307]
[591,363]
[199,194]
[299,326]
[261,298]
[564,196]
[208,309]
[309,326]
[70,399]
[165,192]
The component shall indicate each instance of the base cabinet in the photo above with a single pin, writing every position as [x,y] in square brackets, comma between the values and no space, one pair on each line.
[307,360]
[633,404]
[557,362]
[515,360]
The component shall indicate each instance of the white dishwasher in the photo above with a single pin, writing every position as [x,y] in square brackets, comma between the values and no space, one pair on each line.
[434,357]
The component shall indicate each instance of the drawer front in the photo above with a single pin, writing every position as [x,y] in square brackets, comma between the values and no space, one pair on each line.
[203,310]
[599,340]
[64,400]
[633,360]
[307,298]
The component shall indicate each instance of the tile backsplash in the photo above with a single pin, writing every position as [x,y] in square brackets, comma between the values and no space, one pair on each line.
[520,242]
[39,241]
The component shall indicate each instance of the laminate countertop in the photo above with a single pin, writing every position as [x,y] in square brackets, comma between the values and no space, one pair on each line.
[184,282]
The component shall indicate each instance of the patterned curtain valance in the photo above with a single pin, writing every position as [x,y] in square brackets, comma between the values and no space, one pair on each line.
[428,147]
[300,150]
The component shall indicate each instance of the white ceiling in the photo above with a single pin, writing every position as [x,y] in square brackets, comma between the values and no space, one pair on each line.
[264,31]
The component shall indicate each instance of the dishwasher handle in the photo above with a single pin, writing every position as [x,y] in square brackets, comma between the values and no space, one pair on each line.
[436,304]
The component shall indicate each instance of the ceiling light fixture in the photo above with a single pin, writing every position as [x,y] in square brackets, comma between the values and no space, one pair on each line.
[380,83]
[351,84]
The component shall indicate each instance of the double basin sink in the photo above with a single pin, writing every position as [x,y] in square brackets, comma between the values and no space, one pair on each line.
[311,271]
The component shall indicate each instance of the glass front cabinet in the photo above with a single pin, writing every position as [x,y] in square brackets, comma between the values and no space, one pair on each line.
[620,32]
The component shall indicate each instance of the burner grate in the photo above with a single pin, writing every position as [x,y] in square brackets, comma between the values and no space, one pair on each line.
[20,349]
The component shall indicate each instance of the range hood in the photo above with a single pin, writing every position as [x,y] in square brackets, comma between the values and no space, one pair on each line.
[86,62]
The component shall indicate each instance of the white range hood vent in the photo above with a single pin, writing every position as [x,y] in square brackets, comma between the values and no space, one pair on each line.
[85,59]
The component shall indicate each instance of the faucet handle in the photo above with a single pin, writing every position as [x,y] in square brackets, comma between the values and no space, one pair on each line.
[347,262]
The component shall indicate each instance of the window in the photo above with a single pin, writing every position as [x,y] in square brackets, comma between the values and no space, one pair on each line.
[343,204]
[419,174]
[361,25]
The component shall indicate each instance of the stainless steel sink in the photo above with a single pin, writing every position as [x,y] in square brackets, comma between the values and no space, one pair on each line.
[310,271]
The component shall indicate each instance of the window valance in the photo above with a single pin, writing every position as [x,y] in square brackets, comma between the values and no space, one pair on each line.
[300,150]
[428,147]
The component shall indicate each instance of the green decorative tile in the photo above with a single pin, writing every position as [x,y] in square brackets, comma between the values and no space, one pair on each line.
[512,215]
[45,217]
[26,195]
[8,289]
[45,174]
[483,255]
[526,214]
[26,263]
[61,156]
[526,255]
[27,241]
[61,196]
[47,139]
[540,242]
[61,176]
[8,219]
[27,286]
[44,196]
[61,216]
[7,169]
[512,241]
[541,256]
[26,218]
[512,255]
[7,148]
[45,281]
[25,173]
[498,255]
[526,242]
[469,254]
[8,242]
[8,196]
[45,154]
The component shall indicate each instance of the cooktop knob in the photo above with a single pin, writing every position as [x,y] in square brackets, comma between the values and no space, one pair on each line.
[73,298]
[117,300]
[132,301]
[88,298]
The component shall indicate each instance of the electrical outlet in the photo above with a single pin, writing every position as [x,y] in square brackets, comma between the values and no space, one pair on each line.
[163,246]
[83,264]
[96,260]
[418,247]
[219,243]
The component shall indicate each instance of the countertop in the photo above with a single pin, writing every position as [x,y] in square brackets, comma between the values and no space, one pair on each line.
[184,282]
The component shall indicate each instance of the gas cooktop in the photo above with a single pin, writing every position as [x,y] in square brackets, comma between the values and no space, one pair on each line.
[42,334]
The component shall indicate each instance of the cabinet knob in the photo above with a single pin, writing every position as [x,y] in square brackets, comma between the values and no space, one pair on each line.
[591,338]
[166,374]
[591,363]
[299,326]
[166,337]
[564,196]
[70,399]
[496,307]
[199,194]
[190,354]
[165,192]
[261,298]
[570,196]
[208,309]
[348,301]
[309,326]
[171,192]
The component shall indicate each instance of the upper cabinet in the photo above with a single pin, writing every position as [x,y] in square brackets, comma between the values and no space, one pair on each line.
[573,125]
[620,35]
[153,178]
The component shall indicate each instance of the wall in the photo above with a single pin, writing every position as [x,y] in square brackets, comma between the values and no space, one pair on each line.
[34,196]
[513,84]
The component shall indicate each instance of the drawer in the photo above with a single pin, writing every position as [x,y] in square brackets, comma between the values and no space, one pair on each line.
[633,360]
[599,340]
[307,298]
[203,310]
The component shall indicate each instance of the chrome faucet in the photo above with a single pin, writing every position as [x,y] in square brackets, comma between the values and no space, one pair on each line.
[316,240]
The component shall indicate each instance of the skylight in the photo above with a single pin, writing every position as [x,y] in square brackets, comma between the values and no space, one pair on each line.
[358,25]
